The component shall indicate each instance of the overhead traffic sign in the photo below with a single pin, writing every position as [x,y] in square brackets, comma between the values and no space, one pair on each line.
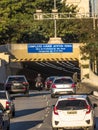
[50,48]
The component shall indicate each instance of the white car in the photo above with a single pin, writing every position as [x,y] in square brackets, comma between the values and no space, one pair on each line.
[73,112]
[7,102]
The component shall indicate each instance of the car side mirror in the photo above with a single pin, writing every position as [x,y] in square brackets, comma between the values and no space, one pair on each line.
[53,106]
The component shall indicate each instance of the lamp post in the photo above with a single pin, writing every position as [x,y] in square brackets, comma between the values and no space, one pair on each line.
[94,26]
[55,25]
[39,15]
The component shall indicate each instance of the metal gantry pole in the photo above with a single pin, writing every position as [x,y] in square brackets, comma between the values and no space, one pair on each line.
[55,33]
[55,25]
[54,4]
[94,26]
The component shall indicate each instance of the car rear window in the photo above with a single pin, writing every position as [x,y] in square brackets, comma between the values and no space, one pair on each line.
[71,104]
[19,79]
[2,95]
[63,81]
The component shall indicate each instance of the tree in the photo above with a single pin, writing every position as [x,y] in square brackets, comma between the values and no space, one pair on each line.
[17,23]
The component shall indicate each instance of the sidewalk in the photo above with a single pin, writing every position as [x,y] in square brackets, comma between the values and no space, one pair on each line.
[88,87]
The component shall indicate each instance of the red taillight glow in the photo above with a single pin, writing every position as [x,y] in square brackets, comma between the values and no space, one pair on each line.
[46,83]
[73,86]
[7,104]
[50,82]
[53,86]
[88,109]
[55,110]
[25,83]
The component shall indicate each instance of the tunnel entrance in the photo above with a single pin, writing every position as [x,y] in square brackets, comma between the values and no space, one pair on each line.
[49,68]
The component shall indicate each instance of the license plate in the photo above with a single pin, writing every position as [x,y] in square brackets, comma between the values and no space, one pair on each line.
[16,84]
[72,112]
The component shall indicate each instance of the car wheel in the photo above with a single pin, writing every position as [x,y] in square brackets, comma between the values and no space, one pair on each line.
[13,114]
[27,94]
[8,128]
[52,96]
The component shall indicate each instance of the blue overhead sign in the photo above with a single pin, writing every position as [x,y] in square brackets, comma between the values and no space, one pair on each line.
[50,48]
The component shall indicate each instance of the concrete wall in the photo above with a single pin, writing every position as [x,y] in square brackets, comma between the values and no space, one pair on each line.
[20,51]
[4,67]
[3,71]
[93,79]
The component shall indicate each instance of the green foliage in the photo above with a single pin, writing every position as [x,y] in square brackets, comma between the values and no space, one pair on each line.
[17,24]
[90,51]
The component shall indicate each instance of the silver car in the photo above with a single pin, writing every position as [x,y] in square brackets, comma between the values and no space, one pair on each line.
[62,85]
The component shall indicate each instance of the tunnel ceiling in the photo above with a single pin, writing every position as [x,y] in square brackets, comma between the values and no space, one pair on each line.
[48,68]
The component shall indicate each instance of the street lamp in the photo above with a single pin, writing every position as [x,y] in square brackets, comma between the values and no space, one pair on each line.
[94,26]
[55,11]
[39,15]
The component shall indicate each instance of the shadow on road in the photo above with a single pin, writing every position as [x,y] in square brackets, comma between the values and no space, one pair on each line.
[31,94]
[25,112]
[25,125]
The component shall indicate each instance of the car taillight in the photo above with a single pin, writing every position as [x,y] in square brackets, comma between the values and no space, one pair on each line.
[25,83]
[46,83]
[73,86]
[7,105]
[53,86]
[88,109]
[55,110]
[50,82]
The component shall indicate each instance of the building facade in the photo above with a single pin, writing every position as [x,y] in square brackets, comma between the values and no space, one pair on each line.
[94,6]
[83,7]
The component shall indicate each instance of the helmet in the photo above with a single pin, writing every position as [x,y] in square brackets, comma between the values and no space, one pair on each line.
[39,74]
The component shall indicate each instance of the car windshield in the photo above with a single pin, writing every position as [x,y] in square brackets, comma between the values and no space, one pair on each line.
[63,81]
[19,79]
[2,95]
[71,104]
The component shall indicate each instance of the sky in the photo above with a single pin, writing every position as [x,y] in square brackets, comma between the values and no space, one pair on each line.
[95,4]
[96,1]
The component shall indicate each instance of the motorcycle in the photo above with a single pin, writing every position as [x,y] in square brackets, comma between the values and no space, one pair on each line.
[39,86]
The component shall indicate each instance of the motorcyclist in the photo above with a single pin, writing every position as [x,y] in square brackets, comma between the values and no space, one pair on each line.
[39,79]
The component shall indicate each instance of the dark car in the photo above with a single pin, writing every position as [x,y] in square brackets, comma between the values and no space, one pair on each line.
[49,81]
[17,84]
[4,119]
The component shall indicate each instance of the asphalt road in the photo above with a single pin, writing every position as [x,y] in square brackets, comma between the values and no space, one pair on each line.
[31,111]
[34,112]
